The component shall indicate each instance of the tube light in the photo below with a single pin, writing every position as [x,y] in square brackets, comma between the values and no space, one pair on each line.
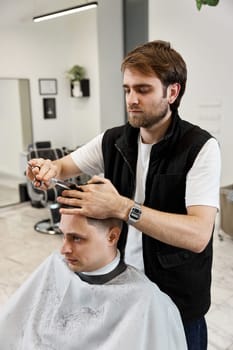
[65,12]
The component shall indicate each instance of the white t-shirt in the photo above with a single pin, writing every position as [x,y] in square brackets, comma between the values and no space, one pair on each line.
[202,187]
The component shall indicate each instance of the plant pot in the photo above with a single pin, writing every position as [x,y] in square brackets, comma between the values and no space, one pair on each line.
[76,89]
[80,88]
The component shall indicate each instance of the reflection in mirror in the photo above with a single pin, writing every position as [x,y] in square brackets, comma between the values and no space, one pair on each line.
[15,136]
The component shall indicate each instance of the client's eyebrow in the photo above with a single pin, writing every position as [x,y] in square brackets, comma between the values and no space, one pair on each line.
[74,234]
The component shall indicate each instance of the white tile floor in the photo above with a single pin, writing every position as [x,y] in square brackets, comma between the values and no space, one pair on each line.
[22,249]
[220,315]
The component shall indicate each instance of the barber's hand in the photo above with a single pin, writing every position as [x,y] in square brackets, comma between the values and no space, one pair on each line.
[40,171]
[98,199]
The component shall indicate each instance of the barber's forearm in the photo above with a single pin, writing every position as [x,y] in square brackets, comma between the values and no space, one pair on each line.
[66,168]
[190,232]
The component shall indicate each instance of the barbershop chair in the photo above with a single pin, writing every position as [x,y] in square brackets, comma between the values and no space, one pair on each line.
[45,198]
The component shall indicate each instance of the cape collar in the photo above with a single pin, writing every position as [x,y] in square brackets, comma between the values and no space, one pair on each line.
[102,279]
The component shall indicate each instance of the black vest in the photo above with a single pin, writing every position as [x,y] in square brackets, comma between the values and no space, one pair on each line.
[185,276]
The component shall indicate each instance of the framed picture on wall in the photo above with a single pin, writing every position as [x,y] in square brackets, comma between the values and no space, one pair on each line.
[48,86]
[49,107]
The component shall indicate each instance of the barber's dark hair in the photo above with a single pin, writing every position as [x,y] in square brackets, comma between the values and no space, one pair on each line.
[158,57]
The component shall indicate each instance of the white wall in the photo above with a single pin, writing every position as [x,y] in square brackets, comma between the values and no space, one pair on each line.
[48,49]
[204,40]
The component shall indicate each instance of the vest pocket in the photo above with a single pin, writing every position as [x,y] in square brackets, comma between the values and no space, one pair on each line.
[175,259]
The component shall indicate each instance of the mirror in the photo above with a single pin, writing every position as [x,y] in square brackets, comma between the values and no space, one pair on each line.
[15,136]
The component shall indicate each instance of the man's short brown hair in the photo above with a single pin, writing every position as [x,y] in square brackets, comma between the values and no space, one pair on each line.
[159,58]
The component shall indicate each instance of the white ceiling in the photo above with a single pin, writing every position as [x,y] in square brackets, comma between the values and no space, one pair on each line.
[13,12]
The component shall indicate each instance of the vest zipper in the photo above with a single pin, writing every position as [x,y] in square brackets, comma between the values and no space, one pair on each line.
[130,168]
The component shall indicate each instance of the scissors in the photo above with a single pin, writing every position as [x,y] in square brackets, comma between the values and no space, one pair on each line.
[66,185]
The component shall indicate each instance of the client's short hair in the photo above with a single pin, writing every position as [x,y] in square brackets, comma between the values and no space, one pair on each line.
[105,223]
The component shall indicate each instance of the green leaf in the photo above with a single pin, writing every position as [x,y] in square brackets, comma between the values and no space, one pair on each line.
[76,73]
[199,3]
[212,2]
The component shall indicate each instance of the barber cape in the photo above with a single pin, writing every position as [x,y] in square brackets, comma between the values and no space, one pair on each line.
[55,310]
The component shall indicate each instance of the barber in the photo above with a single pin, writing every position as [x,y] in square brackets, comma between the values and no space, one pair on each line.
[162,178]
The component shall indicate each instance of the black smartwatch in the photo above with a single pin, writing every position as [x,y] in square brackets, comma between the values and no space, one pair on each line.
[134,214]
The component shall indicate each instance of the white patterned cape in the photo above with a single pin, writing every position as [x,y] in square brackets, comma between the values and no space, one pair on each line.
[55,310]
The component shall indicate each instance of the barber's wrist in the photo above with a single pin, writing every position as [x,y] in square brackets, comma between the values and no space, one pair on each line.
[125,208]
[56,168]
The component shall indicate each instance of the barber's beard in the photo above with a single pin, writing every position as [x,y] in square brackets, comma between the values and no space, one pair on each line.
[142,120]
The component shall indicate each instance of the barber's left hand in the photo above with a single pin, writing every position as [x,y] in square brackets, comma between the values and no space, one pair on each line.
[98,199]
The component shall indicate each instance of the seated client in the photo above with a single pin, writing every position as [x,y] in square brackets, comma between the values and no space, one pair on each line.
[87,298]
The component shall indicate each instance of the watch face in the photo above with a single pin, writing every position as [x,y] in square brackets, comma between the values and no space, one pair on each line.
[135,213]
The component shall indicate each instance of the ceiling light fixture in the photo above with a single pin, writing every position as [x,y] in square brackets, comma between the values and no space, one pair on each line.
[68,11]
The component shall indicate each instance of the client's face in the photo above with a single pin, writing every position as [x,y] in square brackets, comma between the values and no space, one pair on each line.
[85,246]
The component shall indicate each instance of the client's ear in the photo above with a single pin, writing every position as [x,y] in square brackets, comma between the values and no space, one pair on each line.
[113,235]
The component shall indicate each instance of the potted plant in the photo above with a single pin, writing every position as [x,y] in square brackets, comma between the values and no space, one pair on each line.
[76,74]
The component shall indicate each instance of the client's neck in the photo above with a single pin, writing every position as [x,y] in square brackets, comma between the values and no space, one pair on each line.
[106,273]
[106,268]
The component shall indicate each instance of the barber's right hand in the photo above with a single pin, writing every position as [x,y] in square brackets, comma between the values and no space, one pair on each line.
[40,171]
